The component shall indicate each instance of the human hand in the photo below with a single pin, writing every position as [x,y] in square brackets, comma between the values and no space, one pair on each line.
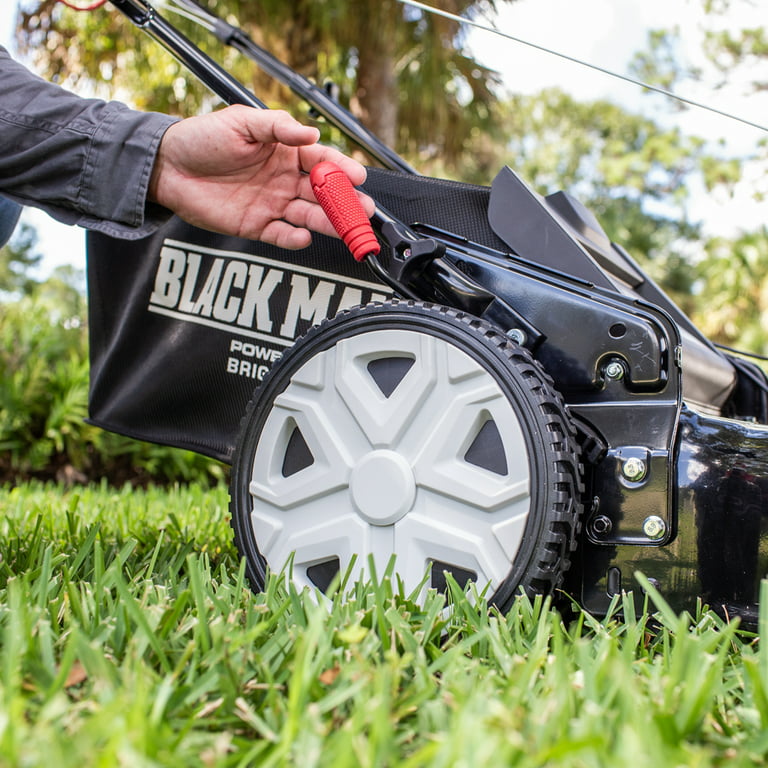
[243,171]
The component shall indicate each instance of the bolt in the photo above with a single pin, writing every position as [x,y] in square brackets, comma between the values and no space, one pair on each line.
[601,525]
[654,527]
[614,371]
[517,335]
[633,469]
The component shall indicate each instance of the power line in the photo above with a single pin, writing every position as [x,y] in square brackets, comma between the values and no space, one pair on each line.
[574,60]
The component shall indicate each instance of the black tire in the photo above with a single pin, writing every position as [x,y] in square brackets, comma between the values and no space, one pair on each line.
[488,489]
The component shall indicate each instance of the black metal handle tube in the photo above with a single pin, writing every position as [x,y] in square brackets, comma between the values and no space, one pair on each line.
[144,16]
[323,104]
[304,88]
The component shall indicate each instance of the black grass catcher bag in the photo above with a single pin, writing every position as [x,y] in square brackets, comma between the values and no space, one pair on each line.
[184,324]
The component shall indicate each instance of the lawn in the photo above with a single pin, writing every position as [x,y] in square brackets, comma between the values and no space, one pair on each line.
[128,637]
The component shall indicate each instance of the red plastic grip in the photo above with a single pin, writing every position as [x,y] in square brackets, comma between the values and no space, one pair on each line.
[337,196]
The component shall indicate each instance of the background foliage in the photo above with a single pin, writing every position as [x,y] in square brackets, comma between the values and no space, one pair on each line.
[405,74]
[410,77]
[44,397]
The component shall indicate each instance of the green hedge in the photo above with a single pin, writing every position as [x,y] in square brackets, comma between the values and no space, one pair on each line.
[44,403]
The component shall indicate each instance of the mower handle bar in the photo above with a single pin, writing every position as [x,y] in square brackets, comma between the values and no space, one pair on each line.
[228,88]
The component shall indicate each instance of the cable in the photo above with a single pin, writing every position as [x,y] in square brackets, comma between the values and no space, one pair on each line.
[187,12]
[640,83]
[734,351]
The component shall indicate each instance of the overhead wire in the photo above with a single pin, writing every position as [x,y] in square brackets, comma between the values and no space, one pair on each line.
[574,60]
[188,11]
[196,14]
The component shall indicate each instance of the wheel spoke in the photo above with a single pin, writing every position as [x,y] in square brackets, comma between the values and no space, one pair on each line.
[310,405]
[465,400]
[310,541]
[384,419]
[326,474]
[448,531]
[312,536]
[441,465]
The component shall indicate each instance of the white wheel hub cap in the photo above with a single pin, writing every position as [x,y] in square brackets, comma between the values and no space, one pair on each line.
[391,442]
[382,487]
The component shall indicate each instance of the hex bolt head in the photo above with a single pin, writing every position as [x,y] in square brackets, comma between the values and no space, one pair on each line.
[518,335]
[634,469]
[654,527]
[600,525]
[614,371]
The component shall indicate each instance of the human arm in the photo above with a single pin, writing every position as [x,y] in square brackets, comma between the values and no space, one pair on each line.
[83,161]
[106,167]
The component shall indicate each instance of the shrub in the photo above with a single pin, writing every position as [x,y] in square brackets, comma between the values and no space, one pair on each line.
[44,403]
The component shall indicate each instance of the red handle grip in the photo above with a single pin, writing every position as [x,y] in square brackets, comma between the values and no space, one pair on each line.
[337,196]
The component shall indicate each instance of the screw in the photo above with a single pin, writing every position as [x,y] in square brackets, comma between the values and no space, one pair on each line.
[614,371]
[633,469]
[517,335]
[654,527]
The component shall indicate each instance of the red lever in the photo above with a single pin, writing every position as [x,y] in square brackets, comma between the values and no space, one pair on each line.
[337,196]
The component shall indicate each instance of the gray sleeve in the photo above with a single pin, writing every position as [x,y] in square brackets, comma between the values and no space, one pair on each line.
[83,161]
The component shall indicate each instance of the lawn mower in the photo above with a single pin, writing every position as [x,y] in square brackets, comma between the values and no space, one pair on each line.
[494,391]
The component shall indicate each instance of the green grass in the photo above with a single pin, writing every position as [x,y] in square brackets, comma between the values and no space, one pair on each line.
[128,637]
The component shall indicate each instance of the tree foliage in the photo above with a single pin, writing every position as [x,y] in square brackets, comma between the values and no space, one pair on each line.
[745,49]
[634,174]
[733,295]
[729,281]
[405,73]
[660,65]
[17,259]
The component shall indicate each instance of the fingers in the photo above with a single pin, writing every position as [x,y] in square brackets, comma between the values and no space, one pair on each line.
[277,126]
[310,215]
[293,231]
[272,125]
[306,193]
[286,236]
[310,156]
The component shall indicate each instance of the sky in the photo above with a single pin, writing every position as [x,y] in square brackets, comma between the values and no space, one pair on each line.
[603,32]
[607,33]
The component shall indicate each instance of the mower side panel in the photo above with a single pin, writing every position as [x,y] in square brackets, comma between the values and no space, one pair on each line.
[719,549]
[616,362]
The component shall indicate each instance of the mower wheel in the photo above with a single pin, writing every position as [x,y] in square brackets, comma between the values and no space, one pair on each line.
[415,430]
